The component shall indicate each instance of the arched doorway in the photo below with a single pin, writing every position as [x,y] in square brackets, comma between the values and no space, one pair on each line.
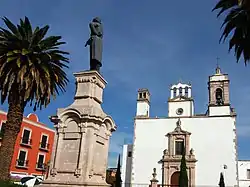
[175,179]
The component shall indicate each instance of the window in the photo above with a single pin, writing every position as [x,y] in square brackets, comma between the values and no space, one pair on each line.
[179,147]
[186,91]
[21,161]
[140,95]
[26,137]
[130,154]
[44,140]
[175,90]
[40,162]
[180,91]
[248,173]
[144,95]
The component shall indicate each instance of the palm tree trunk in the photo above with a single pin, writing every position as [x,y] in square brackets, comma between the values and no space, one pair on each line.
[10,131]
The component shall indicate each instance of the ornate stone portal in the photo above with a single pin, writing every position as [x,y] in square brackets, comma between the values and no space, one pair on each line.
[171,160]
[81,144]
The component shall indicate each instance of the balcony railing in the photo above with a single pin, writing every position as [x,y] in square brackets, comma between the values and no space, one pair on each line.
[26,141]
[22,163]
[44,146]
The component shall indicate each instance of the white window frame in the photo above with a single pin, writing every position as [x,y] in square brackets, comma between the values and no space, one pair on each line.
[26,128]
[18,173]
[44,134]
[26,156]
[37,159]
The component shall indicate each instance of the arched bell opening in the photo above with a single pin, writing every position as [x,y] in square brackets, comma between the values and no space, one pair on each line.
[219,96]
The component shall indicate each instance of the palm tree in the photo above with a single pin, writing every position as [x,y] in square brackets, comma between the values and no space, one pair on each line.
[31,71]
[237,22]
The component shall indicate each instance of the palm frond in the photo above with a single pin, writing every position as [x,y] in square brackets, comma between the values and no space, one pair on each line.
[32,61]
[224,5]
[237,24]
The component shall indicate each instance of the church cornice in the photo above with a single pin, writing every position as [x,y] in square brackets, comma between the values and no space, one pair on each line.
[173,158]
[194,116]
[220,81]
[175,99]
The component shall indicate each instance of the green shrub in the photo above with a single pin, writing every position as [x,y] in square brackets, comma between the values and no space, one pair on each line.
[9,184]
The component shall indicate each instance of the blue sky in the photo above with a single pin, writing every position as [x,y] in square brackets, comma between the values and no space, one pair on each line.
[148,44]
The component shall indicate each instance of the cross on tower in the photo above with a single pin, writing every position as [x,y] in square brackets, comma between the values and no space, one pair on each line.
[217,71]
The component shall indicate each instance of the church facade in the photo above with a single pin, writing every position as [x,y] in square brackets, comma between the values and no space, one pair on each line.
[209,140]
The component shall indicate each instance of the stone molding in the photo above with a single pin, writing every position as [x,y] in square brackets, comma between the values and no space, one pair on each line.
[90,76]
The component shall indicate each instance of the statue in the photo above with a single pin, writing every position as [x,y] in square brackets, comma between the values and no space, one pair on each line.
[165,152]
[191,151]
[95,43]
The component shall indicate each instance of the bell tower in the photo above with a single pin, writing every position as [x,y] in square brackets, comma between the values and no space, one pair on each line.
[218,86]
[143,103]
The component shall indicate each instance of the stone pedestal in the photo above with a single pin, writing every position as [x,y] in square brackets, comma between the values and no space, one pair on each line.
[80,150]
[154,181]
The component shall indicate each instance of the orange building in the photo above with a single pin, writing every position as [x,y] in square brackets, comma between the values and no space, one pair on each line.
[33,147]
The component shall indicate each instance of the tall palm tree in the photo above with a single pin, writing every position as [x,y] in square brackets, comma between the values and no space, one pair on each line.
[31,71]
[237,23]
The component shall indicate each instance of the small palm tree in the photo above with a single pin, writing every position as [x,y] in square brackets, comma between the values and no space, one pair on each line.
[31,71]
[237,22]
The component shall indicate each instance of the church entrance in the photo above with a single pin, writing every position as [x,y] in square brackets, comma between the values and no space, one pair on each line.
[175,179]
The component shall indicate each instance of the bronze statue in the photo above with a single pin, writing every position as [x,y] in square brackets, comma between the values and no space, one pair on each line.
[95,43]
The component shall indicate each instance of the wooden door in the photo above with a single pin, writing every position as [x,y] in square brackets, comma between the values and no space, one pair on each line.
[175,179]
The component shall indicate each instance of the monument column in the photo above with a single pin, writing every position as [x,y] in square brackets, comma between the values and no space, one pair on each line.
[82,139]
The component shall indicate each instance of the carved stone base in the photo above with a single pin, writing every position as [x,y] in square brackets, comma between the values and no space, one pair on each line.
[72,184]
[83,130]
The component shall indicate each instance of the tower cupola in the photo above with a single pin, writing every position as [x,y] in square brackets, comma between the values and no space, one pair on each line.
[218,87]
[180,103]
[143,103]
[180,89]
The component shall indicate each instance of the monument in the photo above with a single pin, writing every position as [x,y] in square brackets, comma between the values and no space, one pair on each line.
[83,129]
[95,43]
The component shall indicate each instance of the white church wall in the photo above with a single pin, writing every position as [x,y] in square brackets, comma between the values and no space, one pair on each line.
[212,141]
[142,109]
[219,110]
[244,173]
[187,107]
[126,169]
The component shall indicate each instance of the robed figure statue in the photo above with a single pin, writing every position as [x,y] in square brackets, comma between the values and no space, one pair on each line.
[95,43]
